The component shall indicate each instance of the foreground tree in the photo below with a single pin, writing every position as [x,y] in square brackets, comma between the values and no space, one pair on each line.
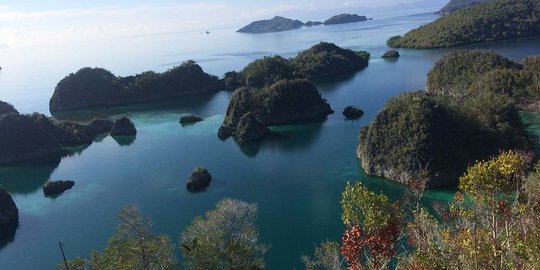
[132,247]
[226,238]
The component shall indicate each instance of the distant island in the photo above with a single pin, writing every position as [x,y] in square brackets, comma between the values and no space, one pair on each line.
[96,87]
[469,113]
[345,18]
[275,24]
[278,24]
[455,5]
[486,21]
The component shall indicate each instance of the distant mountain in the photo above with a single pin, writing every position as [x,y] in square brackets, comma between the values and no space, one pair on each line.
[312,23]
[345,18]
[276,24]
[455,5]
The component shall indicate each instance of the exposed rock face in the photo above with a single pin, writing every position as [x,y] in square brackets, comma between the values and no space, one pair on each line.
[56,188]
[419,137]
[23,139]
[98,126]
[97,87]
[345,18]
[391,54]
[352,112]
[225,132]
[283,102]
[198,180]
[188,119]
[123,127]
[276,24]
[9,213]
[250,129]
[7,108]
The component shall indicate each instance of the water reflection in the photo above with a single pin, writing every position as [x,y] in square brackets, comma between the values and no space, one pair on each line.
[7,233]
[27,177]
[125,140]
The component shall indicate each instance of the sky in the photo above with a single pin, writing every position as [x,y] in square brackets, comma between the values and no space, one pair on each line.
[35,22]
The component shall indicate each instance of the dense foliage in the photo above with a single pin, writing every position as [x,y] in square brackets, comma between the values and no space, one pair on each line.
[455,5]
[327,59]
[283,102]
[469,72]
[132,247]
[487,21]
[275,24]
[7,108]
[227,238]
[492,223]
[418,136]
[321,60]
[94,87]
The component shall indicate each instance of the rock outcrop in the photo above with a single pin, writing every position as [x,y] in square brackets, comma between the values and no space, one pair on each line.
[123,127]
[352,112]
[96,87]
[419,137]
[190,119]
[276,24]
[250,129]
[23,139]
[312,23]
[55,188]
[391,54]
[198,180]
[283,102]
[97,127]
[9,213]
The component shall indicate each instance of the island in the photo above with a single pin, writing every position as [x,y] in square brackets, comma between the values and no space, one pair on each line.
[486,21]
[391,54]
[55,188]
[283,102]
[467,72]
[198,180]
[321,60]
[461,118]
[276,24]
[455,5]
[36,136]
[345,18]
[96,87]
[312,23]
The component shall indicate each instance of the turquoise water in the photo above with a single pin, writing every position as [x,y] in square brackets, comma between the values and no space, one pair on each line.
[296,176]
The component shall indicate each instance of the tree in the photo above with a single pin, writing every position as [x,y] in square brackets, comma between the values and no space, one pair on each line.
[132,247]
[370,242]
[226,238]
[327,256]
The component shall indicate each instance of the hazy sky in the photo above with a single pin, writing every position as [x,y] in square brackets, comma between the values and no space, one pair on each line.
[31,22]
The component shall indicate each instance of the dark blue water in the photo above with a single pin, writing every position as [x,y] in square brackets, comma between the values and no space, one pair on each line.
[296,176]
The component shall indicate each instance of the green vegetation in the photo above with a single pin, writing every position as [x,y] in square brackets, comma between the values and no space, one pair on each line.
[284,101]
[276,24]
[455,5]
[327,59]
[464,73]
[487,21]
[133,246]
[321,60]
[492,223]
[7,108]
[226,239]
[345,18]
[433,138]
[95,87]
